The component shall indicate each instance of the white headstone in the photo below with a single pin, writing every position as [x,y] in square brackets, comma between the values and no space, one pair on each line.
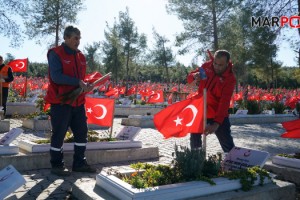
[126,102]
[241,158]
[10,136]
[128,133]
[241,112]
[10,180]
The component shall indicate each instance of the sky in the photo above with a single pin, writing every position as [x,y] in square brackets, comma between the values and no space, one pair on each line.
[145,13]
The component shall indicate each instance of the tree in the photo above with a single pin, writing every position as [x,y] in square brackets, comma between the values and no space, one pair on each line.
[90,55]
[10,10]
[161,54]
[133,43]
[112,49]
[263,50]
[48,18]
[201,20]
[284,8]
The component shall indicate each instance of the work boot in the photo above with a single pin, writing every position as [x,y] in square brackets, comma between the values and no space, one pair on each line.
[79,161]
[60,171]
[84,168]
[57,163]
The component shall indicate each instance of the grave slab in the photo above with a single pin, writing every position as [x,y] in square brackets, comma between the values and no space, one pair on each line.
[277,191]
[284,173]
[4,126]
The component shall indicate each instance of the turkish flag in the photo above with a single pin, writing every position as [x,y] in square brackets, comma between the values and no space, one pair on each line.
[181,118]
[91,78]
[292,128]
[291,134]
[157,97]
[18,65]
[99,111]
[291,125]
[113,92]
[131,91]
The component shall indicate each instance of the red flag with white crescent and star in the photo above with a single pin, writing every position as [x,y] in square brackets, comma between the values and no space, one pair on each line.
[181,118]
[157,97]
[99,111]
[18,65]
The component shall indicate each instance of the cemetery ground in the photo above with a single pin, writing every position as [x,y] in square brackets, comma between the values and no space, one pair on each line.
[41,184]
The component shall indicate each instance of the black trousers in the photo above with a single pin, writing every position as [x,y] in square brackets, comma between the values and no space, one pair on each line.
[63,117]
[223,134]
[4,98]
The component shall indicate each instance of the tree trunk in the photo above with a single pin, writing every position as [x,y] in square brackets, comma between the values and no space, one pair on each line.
[215,28]
[57,24]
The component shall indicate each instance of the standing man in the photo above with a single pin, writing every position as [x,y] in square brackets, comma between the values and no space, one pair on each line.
[6,76]
[220,83]
[67,68]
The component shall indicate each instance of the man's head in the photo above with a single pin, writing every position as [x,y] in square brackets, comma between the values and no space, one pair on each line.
[72,37]
[1,60]
[221,60]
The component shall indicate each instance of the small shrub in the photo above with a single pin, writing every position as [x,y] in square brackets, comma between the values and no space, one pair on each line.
[279,107]
[253,107]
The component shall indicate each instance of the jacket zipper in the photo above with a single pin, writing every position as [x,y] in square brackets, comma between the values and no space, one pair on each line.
[77,73]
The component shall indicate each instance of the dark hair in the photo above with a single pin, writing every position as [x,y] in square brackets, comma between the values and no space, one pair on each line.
[1,58]
[71,30]
[221,53]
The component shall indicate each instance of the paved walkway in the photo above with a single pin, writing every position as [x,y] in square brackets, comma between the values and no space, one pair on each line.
[43,185]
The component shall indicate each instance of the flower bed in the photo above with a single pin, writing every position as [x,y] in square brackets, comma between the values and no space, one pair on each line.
[190,175]
[94,143]
[124,190]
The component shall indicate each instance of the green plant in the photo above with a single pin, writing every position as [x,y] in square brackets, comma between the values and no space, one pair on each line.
[296,155]
[190,165]
[253,107]
[248,176]
[93,136]
[279,107]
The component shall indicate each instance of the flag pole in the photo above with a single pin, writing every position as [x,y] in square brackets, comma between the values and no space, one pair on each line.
[112,120]
[204,122]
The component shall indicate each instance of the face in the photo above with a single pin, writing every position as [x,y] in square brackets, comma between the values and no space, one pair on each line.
[220,65]
[73,41]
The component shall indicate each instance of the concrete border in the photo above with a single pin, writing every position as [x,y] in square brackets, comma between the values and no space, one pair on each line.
[284,173]
[145,121]
[32,161]
[279,190]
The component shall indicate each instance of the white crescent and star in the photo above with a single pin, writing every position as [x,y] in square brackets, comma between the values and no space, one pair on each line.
[20,63]
[89,110]
[158,96]
[194,110]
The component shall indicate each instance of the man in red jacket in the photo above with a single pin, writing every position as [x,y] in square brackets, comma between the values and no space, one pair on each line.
[219,83]
[67,69]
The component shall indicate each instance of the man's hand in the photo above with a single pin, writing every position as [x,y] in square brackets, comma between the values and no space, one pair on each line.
[211,128]
[83,85]
[90,87]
